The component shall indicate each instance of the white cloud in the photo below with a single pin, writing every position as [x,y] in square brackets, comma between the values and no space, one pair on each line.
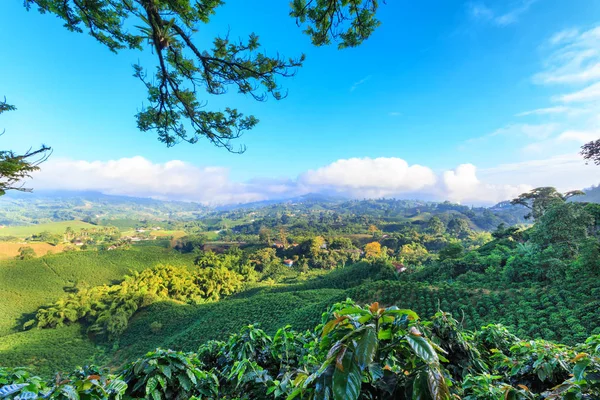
[358,83]
[590,93]
[379,176]
[574,58]
[544,111]
[462,185]
[578,136]
[572,61]
[354,177]
[564,35]
[565,172]
[556,110]
[520,131]
[395,114]
[513,15]
[480,11]
[137,176]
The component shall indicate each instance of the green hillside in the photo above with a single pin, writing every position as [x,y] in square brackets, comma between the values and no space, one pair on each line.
[29,284]
[23,231]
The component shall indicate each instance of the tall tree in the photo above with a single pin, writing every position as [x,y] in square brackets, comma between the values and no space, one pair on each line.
[539,200]
[15,167]
[458,227]
[564,226]
[436,226]
[591,151]
[175,110]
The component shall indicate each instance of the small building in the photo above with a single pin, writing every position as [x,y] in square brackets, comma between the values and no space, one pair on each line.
[78,242]
[399,267]
[278,245]
[288,263]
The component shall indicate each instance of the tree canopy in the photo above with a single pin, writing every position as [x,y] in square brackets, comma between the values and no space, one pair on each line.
[539,200]
[175,110]
[591,151]
[15,167]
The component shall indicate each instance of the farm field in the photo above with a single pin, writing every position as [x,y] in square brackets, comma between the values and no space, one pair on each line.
[52,227]
[29,284]
[11,249]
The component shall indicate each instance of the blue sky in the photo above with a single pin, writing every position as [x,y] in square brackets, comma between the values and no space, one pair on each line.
[439,84]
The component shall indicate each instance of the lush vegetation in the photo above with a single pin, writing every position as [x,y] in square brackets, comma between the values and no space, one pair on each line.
[30,284]
[107,309]
[284,265]
[355,352]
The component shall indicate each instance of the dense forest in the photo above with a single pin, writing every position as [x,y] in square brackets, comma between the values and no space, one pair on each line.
[310,299]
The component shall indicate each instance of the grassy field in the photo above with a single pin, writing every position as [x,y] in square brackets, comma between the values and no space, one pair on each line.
[161,233]
[46,351]
[11,249]
[27,285]
[52,227]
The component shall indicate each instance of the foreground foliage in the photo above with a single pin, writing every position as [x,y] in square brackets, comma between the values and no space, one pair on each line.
[369,352]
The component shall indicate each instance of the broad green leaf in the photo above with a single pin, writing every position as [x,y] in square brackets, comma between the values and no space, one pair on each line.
[166,371]
[437,384]
[366,347]
[151,385]
[347,383]
[69,392]
[375,371]
[7,390]
[422,348]
[409,313]
[579,369]
[184,381]
[352,310]
[384,334]
[420,388]
[156,395]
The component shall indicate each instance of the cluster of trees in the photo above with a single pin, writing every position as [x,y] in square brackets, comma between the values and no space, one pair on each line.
[370,352]
[564,242]
[106,309]
[88,236]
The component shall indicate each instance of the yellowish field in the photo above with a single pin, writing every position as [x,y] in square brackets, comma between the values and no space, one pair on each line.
[11,249]
[52,227]
[158,234]
[175,234]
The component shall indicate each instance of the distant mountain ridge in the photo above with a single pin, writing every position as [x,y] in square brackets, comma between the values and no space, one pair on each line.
[17,208]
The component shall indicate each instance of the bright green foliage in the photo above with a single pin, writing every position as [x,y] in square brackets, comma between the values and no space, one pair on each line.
[348,21]
[541,199]
[166,374]
[369,352]
[107,309]
[436,226]
[413,254]
[26,253]
[563,226]
[28,285]
[84,383]
[459,227]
